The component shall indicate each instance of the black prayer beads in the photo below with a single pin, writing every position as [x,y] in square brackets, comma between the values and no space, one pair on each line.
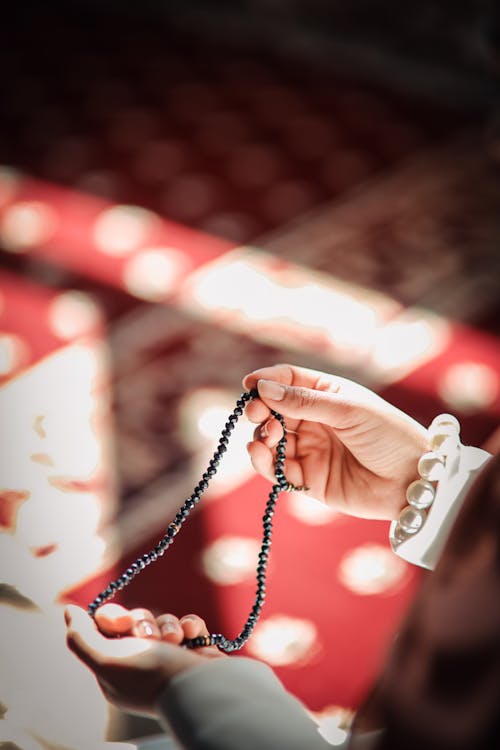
[282,484]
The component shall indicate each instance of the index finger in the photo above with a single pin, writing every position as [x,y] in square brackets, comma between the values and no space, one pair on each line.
[281,373]
[113,619]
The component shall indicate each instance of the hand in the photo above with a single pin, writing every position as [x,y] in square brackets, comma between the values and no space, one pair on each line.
[349,447]
[133,669]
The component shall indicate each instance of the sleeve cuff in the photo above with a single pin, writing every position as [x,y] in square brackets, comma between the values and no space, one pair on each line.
[236,702]
[424,547]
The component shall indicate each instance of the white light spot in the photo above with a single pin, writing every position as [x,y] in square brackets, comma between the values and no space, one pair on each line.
[304,309]
[9,183]
[27,224]
[210,420]
[154,272]
[371,569]
[309,510]
[121,229]
[230,559]
[282,640]
[202,415]
[14,353]
[469,386]
[73,314]
[413,338]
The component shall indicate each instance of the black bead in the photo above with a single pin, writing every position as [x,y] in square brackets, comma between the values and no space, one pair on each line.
[174,527]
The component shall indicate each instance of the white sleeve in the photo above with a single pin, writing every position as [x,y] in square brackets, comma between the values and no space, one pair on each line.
[236,702]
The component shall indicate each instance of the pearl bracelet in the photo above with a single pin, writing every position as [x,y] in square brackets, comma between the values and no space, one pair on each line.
[434,501]
[437,464]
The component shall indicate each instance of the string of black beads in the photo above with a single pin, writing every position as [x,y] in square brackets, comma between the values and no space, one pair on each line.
[216,639]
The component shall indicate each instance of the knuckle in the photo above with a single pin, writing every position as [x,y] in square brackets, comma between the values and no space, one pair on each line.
[303,397]
[168,620]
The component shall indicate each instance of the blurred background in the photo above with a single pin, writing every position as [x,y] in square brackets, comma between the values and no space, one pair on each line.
[188,191]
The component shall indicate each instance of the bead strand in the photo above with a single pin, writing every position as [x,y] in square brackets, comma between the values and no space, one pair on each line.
[216,639]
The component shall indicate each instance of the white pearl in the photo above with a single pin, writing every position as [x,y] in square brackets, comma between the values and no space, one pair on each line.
[398,535]
[411,519]
[446,421]
[431,466]
[420,494]
[444,444]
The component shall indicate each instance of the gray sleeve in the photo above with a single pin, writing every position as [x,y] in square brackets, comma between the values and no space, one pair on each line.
[236,703]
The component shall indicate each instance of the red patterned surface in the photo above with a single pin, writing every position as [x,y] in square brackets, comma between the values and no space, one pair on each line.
[220,153]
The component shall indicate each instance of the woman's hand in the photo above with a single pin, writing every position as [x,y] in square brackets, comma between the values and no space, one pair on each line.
[133,669]
[349,447]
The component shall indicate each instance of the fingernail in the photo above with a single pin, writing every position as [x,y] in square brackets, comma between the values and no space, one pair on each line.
[264,430]
[144,629]
[272,390]
[168,627]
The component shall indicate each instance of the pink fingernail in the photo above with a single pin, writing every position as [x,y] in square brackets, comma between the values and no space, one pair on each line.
[144,629]
[264,430]
[272,390]
[167,627]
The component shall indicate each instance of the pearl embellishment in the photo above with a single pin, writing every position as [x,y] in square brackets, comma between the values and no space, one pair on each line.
[444,441]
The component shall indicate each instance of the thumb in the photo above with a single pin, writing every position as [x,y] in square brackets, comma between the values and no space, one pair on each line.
[330,407]
[82,635]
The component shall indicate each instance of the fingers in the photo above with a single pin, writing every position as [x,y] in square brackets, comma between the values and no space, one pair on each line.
[174,630]
[113,620]
[83,638]
[289,390]
[300,403]
[281,373]
[170,628]
[193,626]
[262,459]
[144,624]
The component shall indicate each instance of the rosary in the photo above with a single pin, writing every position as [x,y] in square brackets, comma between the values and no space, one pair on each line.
[282,484]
